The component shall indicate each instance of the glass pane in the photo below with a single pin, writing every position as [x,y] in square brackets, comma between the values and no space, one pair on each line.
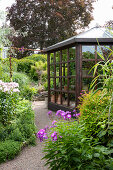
[72,53]
[86,67]
[57,69]
[64,55]
[86,83]
[53,97]
[72,100]
[58,101]
[64,99]
[64,84]
[88,52]
[64,69]
[51,58]
[57,56]
[104,51]
[57,83]
[51,70]
[51,83]
[72,71]
[72,83]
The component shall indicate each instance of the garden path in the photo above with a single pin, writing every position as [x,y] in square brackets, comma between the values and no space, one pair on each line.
[30,157]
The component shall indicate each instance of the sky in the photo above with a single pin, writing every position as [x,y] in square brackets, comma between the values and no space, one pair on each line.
[102,11]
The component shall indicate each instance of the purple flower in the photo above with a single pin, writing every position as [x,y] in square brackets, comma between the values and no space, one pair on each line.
[54,122]
[74,115]
[63,113]
[21,49]
[67,112]
[58,113]
[51,127]
[60,136]
[49,113]
[69,116]
[46,127]
[41,131]
[78,114]
[54,136]
[74,110]
[64,117]
[42,135]
[45,136]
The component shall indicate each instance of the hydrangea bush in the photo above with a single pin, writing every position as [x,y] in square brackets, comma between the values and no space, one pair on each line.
[8,100]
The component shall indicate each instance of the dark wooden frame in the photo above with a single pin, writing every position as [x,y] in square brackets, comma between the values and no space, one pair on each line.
[78,43]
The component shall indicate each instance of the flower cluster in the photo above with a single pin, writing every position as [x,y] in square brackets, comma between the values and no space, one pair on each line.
[60,114]
[42,135]
[54,136]
[64,115]
[9,87]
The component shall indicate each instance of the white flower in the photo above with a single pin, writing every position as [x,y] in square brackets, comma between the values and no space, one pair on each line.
[16,90]
[6,89]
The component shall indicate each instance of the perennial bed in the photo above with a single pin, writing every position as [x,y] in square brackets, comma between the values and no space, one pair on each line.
[17,126]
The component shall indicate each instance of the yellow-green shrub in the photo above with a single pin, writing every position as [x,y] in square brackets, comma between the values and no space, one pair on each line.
[94,114]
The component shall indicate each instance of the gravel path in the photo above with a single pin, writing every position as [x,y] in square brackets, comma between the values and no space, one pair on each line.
[30,157]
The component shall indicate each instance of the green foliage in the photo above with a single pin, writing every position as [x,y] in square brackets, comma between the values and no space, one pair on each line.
[24,65]
[75,151]
[34,66]
[28,92]
[37,57]
[21,78]
[19,132]
[24,81]
[6,64]
[88,55]
[94,114]
[8,103]
[9,149]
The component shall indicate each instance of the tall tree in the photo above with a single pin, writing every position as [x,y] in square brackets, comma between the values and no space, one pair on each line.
[40,23]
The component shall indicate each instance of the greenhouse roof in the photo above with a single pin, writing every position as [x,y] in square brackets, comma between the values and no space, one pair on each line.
[93,35]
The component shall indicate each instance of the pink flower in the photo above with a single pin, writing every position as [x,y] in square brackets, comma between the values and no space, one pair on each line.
[69,116]
[54,122]
[63,113]
[58,113]
[49,113]
[78,114]
[64,117]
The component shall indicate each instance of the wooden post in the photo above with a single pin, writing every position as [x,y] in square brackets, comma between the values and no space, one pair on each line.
[68,71]
[61,76]
[55,77]
[10,68]
[48,71]
[78,72]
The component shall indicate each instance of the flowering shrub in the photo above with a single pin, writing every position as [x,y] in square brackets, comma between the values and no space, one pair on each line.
[94,114]
[61,116]
[8,100]
[68,147]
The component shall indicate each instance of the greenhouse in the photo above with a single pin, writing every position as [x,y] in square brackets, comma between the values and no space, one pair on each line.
[69,63]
